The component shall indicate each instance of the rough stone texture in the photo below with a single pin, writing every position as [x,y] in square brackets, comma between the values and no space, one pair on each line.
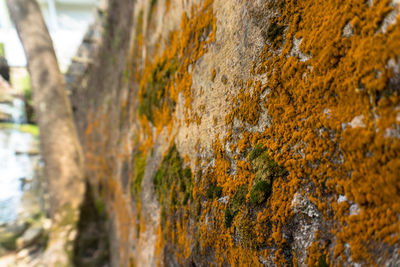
[288,123]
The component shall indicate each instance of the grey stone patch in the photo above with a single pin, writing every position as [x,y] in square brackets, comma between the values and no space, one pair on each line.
[301,204]
[357,122]
[348,30]
[306,221]
[390,18]
[298,149]
[393,132]
[296,52]
[327,113]
[344,125]
[341,198]
[354,209]
[264,121]
[224,200]
[394,82]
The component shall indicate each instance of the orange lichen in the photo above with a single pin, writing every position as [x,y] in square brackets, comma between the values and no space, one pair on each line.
[332,111]
[311,102]
[170,74]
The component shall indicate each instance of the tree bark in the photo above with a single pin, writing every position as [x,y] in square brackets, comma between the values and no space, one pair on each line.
[61,150]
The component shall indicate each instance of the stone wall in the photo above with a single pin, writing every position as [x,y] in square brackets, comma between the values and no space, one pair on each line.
[246,132]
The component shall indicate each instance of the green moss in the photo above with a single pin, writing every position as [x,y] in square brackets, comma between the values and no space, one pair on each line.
[260,192]
[139,25]
[266,170]
[238,200]
[99,205]
[228,217]
[322,261]
[152,6]
[137,230]
[256,152]
[195,209]
[274,31]
[138,173]
[155,92]
[173,184]
[214,191]
[245,231]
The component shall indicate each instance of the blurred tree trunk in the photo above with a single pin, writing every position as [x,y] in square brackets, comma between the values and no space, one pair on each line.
[60,145]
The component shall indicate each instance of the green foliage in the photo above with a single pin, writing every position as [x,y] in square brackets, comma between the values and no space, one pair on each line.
[155,92]
[138,173]
[8,240]
[23,84]
[26,128]
[2,50]
[214,191]
[274,31]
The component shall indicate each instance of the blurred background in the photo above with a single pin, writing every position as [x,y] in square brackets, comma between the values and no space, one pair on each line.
[23,222]
[67,21]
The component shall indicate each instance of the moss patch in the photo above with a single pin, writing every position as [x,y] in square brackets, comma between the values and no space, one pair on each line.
[214,191]
[238,200]
[322,261]
[246,232]
[266,170]
[138,173]
[155,92]
[274,31]
[260,191]
[173,184]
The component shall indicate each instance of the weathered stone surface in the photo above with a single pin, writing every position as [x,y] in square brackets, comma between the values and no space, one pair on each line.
[285,112]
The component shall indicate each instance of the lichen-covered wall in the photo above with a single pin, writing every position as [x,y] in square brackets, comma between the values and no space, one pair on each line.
[247,132]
